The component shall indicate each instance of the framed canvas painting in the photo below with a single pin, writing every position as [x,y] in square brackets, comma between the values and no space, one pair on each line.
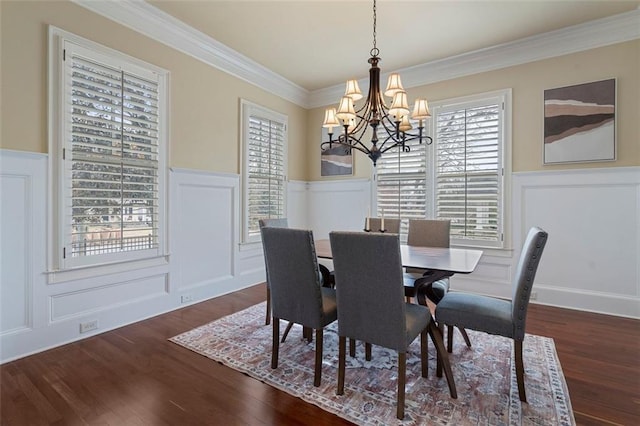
[336,161]
[579,123]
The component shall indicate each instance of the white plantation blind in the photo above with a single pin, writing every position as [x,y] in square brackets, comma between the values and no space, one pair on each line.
[402,184]
[111,155]
[265,166]
[468,170]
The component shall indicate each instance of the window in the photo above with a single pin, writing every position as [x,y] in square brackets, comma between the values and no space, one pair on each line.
[402,184]
[111,141]
[459,177]
[264,167]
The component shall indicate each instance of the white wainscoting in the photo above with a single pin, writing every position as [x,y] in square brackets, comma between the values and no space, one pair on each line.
[338,205]
[592,258]
[591,261]
[204,261]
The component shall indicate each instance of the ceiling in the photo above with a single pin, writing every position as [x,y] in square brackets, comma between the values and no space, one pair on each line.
[321,43]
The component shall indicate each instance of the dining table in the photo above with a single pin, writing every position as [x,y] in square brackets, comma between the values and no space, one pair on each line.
[441,262]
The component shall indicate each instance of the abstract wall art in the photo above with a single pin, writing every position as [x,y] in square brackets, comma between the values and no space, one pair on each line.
[579,123]
[336,161]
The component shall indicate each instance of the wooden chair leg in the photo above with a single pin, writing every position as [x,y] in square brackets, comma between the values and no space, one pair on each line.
[276,343]
[402,373]
[465,336]
[519,369]
[317,375]
[440,328]
[352,348]
[267,321]
[443,358]
[449,338]
[424,356]
[307,333]
[286,331]
[342,355]
[367,351]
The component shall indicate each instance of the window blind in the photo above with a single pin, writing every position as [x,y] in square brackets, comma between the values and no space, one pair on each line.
[468,171]
[111,157]
[402,184]
[265,171]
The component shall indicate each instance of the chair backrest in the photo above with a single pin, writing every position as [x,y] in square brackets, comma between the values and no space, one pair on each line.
[391,226]
[429,233]
[370,288]
[274,223]
[523,279]
[293,273]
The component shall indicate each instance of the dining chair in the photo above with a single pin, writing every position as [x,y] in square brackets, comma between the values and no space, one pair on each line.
[274,223]
[374,224]
[296,291]
[371,305]
[497,316]
[430,233]
[327,279]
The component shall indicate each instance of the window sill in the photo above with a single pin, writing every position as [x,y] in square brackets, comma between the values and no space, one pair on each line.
[83,272]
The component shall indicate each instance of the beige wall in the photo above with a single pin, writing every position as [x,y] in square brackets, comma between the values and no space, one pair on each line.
[528,81]
[204,102]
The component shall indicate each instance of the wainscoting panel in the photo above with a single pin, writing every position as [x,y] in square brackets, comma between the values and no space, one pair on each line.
[206,259]
[92,300]
[591,260]
[297,204]
[338,205]
[22,185]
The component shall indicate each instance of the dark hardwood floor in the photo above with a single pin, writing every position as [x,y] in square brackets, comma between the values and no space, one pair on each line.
[134,376]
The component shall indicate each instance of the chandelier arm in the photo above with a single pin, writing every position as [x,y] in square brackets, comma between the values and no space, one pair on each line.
[364,151]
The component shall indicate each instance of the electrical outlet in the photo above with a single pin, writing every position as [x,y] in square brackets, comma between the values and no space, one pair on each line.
[88,326]
[534,295]
[186,298]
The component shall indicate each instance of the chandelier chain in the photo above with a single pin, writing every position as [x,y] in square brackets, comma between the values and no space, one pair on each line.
[374,51]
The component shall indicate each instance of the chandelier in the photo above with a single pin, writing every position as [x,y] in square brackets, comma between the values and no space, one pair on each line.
[390,126]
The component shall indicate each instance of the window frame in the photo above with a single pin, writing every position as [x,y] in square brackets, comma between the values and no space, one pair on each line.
[504,97]
[248,109]
[60,146]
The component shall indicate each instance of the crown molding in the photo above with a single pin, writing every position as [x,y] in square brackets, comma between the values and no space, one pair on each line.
[145,19]
[150,21]
[590,35]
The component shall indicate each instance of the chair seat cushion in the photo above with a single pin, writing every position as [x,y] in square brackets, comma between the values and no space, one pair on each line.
[476,312]
[418,318]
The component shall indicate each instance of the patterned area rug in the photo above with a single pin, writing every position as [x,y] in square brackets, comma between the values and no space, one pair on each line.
[484,376]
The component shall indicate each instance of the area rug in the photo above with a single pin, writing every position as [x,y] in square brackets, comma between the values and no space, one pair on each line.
[484,375]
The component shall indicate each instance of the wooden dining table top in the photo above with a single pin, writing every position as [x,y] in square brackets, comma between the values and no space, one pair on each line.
[454,260]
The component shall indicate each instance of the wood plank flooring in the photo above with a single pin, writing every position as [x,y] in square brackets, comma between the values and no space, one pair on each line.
[134,376]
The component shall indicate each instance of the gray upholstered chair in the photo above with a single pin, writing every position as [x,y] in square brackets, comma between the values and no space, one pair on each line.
[496,316]
[371,305]
[430,233]
[392,226]
[327,279]
[296,291]
[275,223]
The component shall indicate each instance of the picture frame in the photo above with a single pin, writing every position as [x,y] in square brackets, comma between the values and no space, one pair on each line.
[335,161]
[580,123]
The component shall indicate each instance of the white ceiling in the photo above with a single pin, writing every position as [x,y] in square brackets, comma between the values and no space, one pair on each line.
[321,43]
